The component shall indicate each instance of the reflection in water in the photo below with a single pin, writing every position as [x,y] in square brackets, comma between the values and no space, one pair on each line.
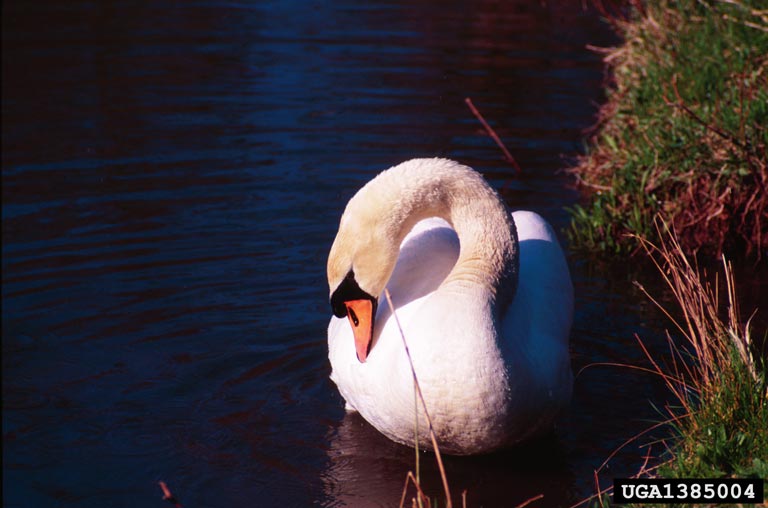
[367,469]
[173,176]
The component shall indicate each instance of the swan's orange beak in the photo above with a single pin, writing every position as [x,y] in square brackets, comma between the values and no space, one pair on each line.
[360,314]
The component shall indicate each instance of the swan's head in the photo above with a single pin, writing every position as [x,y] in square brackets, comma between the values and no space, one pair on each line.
[360,263]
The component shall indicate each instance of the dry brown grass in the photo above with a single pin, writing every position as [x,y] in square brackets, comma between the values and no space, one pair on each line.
[715,375]
[712,340]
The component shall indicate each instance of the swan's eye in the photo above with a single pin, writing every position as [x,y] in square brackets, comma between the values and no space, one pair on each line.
[353,316]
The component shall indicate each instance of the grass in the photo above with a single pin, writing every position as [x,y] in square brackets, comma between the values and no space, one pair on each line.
[677,166]
[720,383]
[718,380]
[684,132]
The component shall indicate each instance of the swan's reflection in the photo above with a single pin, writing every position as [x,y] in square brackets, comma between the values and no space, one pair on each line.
[365,469]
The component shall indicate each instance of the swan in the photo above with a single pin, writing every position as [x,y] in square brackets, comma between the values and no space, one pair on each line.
[484,298]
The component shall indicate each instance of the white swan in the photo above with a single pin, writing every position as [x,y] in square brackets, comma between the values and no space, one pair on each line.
[484,298]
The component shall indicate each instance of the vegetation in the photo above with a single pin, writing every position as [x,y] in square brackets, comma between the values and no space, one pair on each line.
[684,132]
[718,378]
[720,383]
[684,137]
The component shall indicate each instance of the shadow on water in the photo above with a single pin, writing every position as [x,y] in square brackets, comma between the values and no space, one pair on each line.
[173,175]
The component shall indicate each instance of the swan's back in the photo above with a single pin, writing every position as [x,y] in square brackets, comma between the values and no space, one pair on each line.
[544,277]
[538,321]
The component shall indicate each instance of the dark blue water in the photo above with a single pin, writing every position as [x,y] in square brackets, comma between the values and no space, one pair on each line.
[172,178]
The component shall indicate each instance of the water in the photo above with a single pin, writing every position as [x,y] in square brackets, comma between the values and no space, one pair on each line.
[173,175]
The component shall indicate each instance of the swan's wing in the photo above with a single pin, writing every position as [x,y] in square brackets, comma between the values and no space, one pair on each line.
[427,255]
[540,316]
[544,278]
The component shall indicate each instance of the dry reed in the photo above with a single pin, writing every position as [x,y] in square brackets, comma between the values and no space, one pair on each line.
[711,339]
[494,136]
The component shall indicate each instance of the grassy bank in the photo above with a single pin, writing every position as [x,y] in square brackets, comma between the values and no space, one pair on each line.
[684,136]
[684,131]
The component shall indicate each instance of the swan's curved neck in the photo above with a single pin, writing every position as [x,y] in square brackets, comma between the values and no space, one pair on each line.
[488,255]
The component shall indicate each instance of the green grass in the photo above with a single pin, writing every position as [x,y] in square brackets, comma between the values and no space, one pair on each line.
[684,132]
[726,435]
